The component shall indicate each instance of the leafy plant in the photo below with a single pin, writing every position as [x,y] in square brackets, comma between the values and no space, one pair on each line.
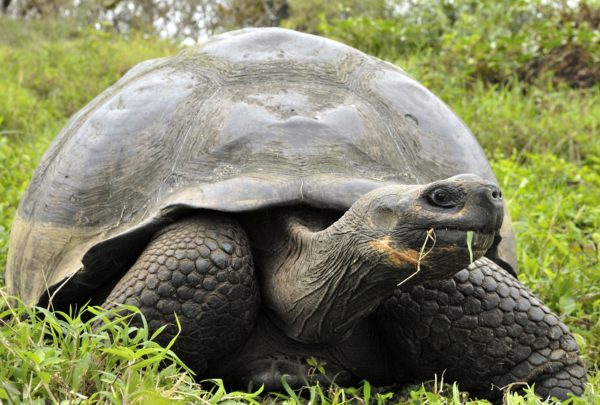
[497,41]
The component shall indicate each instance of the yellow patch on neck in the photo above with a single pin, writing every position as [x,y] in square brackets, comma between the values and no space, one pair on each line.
[396,257]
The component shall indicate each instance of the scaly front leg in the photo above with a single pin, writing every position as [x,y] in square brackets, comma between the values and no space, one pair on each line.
[484,329]
[200,269]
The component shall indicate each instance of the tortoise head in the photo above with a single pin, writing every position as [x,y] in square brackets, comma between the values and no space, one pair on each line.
[437,228]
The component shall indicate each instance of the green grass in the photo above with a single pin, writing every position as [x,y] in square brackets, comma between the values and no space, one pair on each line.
[60,357]
[543,140]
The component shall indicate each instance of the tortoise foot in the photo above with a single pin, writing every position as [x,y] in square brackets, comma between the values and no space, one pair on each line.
[560,381]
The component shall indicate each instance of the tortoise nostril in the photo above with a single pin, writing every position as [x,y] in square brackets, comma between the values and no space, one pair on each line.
[490,193]
[494,193]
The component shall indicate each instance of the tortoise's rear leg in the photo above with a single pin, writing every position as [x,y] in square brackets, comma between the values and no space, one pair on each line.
[201,269]
[481,328]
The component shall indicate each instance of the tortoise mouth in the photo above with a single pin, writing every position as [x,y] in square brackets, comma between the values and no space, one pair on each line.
[457,238]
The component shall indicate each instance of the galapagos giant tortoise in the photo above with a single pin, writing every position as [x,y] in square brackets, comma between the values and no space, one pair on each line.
[289,197]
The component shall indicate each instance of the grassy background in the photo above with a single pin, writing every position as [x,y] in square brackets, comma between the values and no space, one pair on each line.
[541,132]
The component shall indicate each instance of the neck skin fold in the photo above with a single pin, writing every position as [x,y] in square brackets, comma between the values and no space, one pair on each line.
[324,282]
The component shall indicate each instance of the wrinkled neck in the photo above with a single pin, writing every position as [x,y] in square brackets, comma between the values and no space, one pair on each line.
[325,282]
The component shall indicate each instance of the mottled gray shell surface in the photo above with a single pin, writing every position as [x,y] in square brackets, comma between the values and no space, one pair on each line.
[248,120]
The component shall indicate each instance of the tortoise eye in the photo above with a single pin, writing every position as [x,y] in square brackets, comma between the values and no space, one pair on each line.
[441,198]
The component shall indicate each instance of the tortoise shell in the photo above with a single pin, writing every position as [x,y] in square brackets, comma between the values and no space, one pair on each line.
[248,120]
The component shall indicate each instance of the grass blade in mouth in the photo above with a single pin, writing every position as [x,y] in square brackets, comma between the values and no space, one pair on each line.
[470,245]
[430,235]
